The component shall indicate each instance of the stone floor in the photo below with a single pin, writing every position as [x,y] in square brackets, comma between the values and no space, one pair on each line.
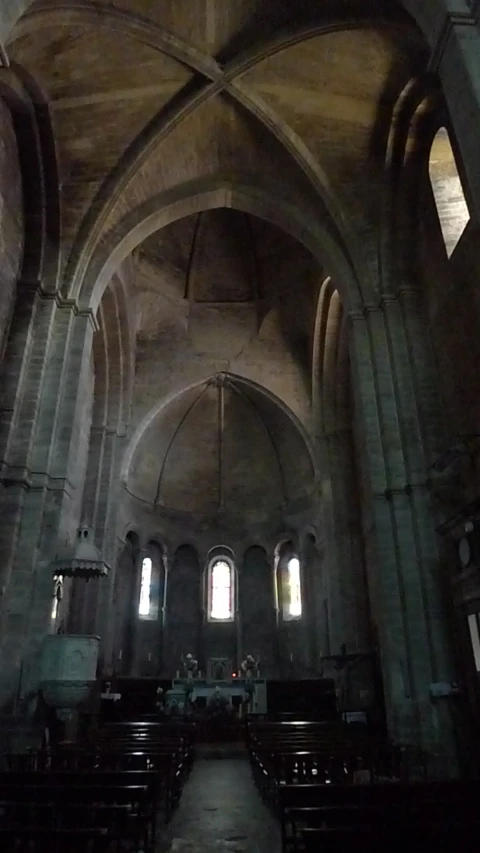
[221,811]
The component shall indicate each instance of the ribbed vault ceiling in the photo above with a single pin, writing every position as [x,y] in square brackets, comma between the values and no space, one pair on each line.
[223,446]
[294,97]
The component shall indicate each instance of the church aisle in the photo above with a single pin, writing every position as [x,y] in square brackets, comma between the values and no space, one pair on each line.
[221,810]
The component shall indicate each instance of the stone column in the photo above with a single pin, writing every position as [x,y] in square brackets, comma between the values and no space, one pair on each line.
[279,664]
[58,523]
[345,576]
[238,623]
[136,621]
[39,402]
[22,376]
[163,617]
[314,596]
[398,398]
[105,525]
[37,434]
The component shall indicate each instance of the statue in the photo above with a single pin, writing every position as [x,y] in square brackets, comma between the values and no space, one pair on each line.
[190,665]
[249,667]
[160,702]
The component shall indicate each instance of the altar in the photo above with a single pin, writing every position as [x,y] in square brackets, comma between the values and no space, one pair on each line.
[233,690]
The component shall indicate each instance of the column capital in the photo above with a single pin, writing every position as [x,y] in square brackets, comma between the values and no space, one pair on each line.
[362,312]
[36,286]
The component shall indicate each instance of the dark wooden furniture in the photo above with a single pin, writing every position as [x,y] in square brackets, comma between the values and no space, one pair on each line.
[108,792]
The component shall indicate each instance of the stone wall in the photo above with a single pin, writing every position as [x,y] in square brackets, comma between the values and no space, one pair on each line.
[184,626]
[257,609]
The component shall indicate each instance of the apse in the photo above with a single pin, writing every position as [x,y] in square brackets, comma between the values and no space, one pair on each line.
[226,446]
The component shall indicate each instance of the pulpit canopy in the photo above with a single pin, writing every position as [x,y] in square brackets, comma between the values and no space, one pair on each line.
[81,560]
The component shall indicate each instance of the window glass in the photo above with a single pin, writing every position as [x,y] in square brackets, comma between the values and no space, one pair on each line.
[145,588]
[447,189]
[294,606]
[221,591]
[57,597]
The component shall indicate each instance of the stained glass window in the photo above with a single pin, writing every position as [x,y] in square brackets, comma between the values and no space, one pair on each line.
[221,589]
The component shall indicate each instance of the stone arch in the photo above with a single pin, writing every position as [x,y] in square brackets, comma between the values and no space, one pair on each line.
[428,15]
[39,168]
[309,537]
[133,539]
[176,47]
[208,194]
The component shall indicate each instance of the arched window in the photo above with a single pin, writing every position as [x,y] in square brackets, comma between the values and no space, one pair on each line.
[145,603]
[294,602]
[221,574]
[447,189]
[150,594]
[288,581]
[57,597]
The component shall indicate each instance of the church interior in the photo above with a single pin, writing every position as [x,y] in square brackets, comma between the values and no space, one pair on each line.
[239,425]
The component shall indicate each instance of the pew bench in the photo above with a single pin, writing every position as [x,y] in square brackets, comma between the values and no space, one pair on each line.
[165,767]
[341,808]
[423,837]
[122,807]
[41,840]
[318,765]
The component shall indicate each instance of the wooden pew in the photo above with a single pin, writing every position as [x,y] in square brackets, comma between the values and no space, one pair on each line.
[340,808]
[98,779]
[423,837]
[41,840]
[97,786]
[107,813]
[305,751]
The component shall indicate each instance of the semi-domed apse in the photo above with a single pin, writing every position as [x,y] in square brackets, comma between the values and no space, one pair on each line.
[226,446]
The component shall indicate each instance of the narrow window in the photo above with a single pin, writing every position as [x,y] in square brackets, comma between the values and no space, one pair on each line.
[57,597]
[221,591]
[145,588]
[447,189]
[294,605]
